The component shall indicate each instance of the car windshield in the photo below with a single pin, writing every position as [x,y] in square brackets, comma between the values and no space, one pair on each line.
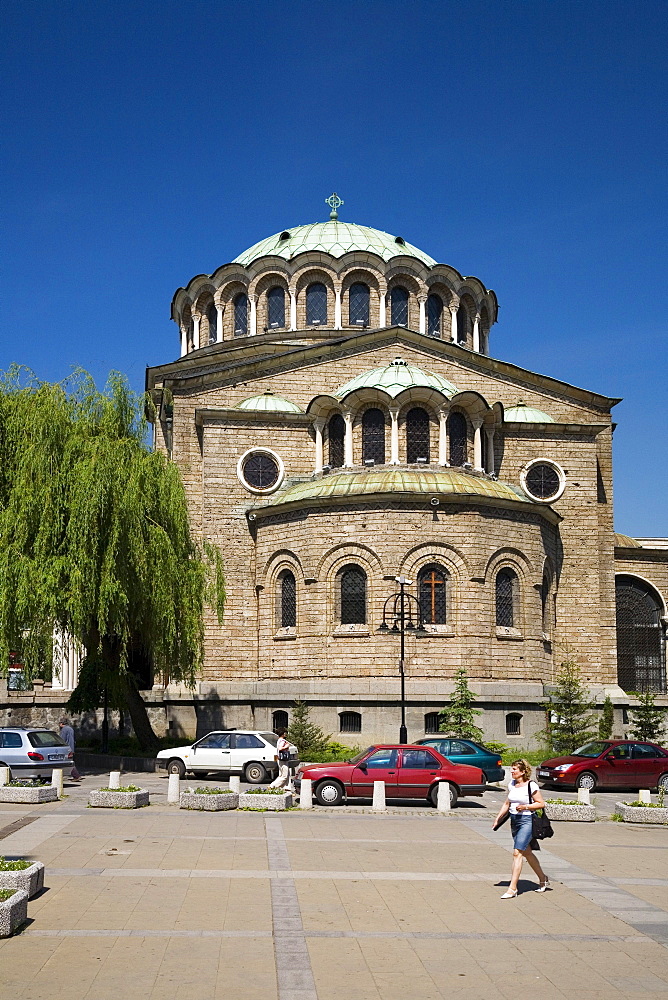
[46,740]
[360,756]
[270,738]
[593,749]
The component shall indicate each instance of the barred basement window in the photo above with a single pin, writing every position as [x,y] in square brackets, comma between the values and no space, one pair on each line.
[432,584]
[399,306]
[212,316]
[240,315]
[316,304]
[417,435]
[358,305]
[457,437]
[288,599]
[506,598]
[434,315]
[431,722]
[350,722]
[513,724]
[352,583]
[337,436]
[373,436]
[275,308]
[279,719]
[641,647]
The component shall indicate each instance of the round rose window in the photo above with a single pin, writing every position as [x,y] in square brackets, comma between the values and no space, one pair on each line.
[543,481]
[260,470]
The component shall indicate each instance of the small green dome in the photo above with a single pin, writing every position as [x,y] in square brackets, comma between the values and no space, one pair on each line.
[333,237]
[523,414]
[396,377]
[270,402]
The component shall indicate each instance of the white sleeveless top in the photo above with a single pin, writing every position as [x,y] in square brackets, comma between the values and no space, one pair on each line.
[520,795]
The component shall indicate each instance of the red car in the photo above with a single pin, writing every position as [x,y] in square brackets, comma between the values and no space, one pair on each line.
[409,772]
[608,764]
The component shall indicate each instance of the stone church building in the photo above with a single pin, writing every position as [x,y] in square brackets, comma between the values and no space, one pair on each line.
[341,419]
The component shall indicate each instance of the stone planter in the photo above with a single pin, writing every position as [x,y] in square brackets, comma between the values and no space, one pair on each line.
[209,802]
[13,912]
[641,814]
[257,800]
[29,796]
[577,813]
[29,880]
[100,799]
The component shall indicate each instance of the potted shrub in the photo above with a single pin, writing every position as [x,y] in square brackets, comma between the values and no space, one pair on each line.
[13,910]
[569,811]
[643,812]
[208,799]
[28,792]
[127,797]
[25,875]
[275,799]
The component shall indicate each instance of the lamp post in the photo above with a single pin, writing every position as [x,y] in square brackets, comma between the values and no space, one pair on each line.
[404,611]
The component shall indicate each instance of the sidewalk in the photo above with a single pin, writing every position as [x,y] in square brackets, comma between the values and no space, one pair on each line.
[163,904]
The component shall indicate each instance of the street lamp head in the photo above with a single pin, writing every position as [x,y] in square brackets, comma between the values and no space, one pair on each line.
[384,627]
[403,580]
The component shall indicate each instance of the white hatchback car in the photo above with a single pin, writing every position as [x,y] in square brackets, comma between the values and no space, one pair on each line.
[247,752]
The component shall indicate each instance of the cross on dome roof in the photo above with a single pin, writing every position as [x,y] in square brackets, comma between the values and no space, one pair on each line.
[334,202]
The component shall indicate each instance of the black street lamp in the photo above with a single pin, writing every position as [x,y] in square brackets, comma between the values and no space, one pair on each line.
[404,611]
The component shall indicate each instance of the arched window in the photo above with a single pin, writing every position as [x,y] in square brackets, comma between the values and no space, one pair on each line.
[240,315]
[546,617]
[279,719]
[352,583]
[275,308]
[373,436]
[457,437]
[417,435]
[358,305]
[431,722]
[287,599]
[507,590]
[513,724]
[432,590]
[641,652]
[316,305]
[212,316]
[350,722]
[399,306]
[337,435]
[434,315]
[462,325]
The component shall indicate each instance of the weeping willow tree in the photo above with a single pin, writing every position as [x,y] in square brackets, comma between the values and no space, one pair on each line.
[95,540]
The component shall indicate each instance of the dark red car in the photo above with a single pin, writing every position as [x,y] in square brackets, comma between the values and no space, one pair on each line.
[608,764]
[409,772]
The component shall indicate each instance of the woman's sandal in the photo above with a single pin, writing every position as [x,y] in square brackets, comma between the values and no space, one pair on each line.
[544,886]
[510,894]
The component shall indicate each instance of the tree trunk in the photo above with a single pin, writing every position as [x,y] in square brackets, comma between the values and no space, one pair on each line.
[139,716]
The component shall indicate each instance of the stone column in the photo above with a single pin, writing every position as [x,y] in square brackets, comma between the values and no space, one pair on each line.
[253,316]
[422,301]
[184,341]
[293,309]
[477,443]
[394,435]
[348,440]
[443,435]
[476,333]
[337,307]
[453,324]
[382,318]
[219,323]
[489,434]
[196,322]
[318,425]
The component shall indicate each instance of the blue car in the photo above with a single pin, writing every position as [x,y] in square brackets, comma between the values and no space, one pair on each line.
[461,751]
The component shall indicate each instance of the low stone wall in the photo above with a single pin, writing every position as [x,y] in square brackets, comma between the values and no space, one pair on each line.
[29,796]
[256,800]
[209,801]
[101,799]
[13,912]
[577,813]
[641,814]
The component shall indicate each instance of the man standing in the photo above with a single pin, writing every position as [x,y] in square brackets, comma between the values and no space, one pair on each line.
[285,751]
[67,733]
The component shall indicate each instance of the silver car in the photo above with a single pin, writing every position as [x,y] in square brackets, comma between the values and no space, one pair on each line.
[30,752]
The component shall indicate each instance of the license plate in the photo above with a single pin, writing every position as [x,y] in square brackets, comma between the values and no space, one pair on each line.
[543,774]
[56,756]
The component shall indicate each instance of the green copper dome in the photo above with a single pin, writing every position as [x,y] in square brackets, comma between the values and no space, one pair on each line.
[269,402]
[396,377]
[333,237]
[523,414]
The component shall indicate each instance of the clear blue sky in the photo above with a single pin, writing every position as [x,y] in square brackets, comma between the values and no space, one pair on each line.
[522,142]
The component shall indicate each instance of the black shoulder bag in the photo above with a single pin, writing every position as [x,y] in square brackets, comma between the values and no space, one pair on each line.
[542,828]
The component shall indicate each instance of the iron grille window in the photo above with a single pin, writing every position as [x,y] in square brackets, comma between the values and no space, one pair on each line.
[431,722]
[543,481]
[506,598]
[279,719]
[337,436]
[641,650]
[350,722]
[513,724]
[358,305]
[457,436]
[212,316]
[462,325]
[373,436]
[275,308]
[240,315]
[399,306]
[417,434]
[260,470]
[316,304]
[432,589]
[353,596]
[434,315]
[288,586]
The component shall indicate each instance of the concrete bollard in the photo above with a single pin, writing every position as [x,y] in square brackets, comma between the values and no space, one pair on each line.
[379,796]
[114,779]
[306,794]
[57,781]
[174,789]
[4,776]
[583,796]
[644,795]
[443,798]
[235,783]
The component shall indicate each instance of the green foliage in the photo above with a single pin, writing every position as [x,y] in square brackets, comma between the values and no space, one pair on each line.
[649,720]
[458,719]
[123,788]
[6,894]
[14,866]
[203,790]
[95,539]
[606,721]
[496,747]
[334,751]
[532,757]
[307,737]
[573,722]
[266,791]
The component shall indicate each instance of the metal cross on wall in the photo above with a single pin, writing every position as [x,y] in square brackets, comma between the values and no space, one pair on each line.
[334,202]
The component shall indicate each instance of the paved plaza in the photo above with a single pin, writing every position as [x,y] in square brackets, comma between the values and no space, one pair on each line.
[161,904]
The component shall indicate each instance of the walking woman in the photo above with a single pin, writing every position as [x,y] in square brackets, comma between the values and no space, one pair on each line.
[524,797]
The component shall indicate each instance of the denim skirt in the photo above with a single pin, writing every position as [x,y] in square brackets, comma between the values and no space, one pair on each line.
[521,827]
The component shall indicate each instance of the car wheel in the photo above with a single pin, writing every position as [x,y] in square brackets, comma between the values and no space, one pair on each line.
[176,766]
[329,793]
[662,783]
[586,780]
[255,773]
[433,796]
